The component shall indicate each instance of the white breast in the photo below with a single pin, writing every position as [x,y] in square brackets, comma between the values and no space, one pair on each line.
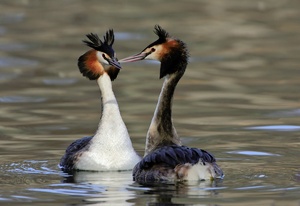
[111,147]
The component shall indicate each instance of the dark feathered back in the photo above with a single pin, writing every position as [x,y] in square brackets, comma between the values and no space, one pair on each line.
[159,165]
[99,45]
[174,155]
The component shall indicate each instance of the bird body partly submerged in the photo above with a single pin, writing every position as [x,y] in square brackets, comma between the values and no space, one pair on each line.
[165,158]
[176,163]
[110,149]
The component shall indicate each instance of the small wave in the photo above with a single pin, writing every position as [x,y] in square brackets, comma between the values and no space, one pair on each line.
[21,99]
[59,82]
[276,128]
[30,167]
[128,36]
[252,153]
[14,62]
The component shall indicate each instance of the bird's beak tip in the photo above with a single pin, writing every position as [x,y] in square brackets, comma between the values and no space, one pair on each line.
[114,62]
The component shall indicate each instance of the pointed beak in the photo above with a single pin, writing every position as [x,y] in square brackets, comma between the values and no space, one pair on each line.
[134,58]
[114,62]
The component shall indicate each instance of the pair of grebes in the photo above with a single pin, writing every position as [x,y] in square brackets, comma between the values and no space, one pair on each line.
[110,149]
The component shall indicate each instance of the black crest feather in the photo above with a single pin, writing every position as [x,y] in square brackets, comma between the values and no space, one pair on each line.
[176,59]
[104,46]
[160,32]
[162,36]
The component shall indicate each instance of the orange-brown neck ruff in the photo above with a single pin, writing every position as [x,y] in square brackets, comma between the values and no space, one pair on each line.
[89,65]
[174,57]
[171,43]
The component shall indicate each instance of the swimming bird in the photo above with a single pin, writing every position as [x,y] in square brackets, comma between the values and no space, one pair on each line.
[110,149]
[165,158]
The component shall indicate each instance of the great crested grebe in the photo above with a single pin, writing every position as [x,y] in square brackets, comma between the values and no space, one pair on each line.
[165,158]
[110,149]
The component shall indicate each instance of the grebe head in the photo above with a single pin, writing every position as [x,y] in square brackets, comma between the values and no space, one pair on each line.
[171,52]
[101,58]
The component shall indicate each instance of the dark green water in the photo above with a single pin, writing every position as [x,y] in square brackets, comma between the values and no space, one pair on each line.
[239,98]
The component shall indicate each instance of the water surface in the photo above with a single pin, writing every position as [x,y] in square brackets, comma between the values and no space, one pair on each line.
[239,98]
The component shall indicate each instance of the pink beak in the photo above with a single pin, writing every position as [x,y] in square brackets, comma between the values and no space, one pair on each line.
[134,58]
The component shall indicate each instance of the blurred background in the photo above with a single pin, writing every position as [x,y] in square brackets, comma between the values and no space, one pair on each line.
[239,98]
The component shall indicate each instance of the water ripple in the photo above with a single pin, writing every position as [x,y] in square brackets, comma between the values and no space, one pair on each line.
[2,30]
[276,128]
[72,192]
[31,167]
[288,113]
[59,82]
[13,47]
[285,189]
[12,18]
[24,197]
[252,187]
[14,62]
[21,99]
[128,36]
[7,77]
[252,153]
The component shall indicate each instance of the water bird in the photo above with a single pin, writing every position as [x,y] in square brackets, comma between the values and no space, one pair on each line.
[110,149]
[166,159]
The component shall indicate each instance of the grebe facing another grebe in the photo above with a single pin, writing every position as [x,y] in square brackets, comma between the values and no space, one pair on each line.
[165,158]
[110,149]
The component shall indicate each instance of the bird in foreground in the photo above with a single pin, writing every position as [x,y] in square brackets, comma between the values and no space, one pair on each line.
[165,158]
[110,149]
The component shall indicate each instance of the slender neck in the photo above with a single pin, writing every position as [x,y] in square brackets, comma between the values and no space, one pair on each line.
[105,86]
[112,134]
[163,112]
[110,109]
[161,130]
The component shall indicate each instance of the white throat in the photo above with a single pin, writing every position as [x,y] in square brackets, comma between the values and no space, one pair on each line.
[111,147]
[111,125]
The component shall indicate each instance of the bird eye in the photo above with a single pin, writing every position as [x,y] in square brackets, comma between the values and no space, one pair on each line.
[152,50]
[105,57]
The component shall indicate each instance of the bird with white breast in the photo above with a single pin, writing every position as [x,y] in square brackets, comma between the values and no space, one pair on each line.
[110,149]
